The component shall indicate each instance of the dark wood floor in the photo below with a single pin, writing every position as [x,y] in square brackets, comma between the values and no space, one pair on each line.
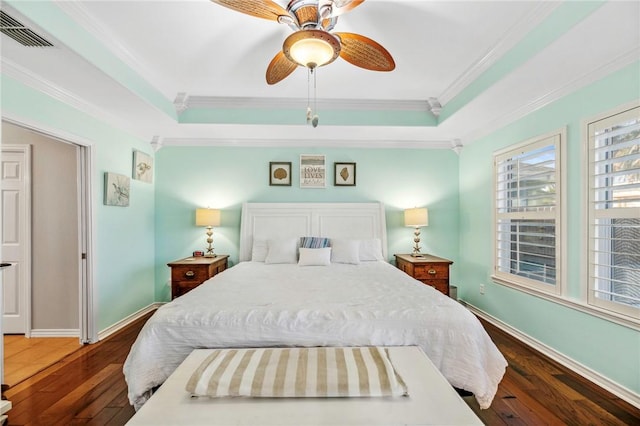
[538,391]
[88,387]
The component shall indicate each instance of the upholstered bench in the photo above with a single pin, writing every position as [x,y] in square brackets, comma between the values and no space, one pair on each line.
[430,401]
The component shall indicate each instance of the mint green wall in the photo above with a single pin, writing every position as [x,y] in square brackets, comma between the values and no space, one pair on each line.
[192,177]
[610,349]
[124,237]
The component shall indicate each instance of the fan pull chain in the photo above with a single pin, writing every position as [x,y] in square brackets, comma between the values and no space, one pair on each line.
[314,120]
[309,95]
[312,114]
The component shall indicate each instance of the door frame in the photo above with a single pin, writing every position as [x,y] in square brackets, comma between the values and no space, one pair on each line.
[87,300]
[86,196]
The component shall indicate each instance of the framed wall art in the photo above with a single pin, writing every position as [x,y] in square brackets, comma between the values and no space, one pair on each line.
[344,174]
[312,171]
[280,173]
[116,189]
[142,166]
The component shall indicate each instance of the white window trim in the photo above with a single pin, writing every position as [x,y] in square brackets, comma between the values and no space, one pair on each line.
[580,303]
[523,284]
[627,317]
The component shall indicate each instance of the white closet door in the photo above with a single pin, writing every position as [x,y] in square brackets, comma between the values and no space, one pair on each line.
[15,179]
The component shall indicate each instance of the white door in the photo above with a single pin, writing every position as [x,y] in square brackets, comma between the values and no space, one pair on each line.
[16,225]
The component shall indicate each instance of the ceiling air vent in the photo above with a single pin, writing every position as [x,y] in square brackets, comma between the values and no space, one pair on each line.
[17,31]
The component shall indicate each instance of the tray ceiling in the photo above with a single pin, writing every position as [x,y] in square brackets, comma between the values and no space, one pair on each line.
[193,72]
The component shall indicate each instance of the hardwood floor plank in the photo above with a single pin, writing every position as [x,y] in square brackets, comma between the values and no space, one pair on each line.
[122,400]
[489,417]
[89,390]
[23,357]
[122,416]
[103,417]
[28,383]
[506,413]
[104,400]
[551,391]
[34,396]
[610,403]
[605,418]
[537,411]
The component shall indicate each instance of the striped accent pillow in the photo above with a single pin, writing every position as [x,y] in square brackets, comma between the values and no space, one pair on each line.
[314,242]
[297,372]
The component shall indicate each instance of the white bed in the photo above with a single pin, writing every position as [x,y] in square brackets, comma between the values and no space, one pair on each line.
[371,303]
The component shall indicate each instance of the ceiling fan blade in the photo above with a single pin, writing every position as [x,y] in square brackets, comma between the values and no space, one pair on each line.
[365,53]
[279,68]
[341,7]
[265,9]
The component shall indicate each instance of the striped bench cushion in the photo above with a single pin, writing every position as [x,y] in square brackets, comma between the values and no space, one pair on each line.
[297,372]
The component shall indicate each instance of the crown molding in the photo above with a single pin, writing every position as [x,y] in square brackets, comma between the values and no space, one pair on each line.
[456,146]
[289,143]
[86,20]
[584,80]
[44,86]
[51,132]
[219,102]
[34,81]
[508,40]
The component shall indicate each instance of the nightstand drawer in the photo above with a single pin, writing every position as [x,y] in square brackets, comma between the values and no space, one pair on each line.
[181,287]
[440,285]
[219,268]
[431,271]
[195,273]
[189,273]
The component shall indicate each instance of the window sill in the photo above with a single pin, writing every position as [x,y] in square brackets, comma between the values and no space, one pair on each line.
[633,323]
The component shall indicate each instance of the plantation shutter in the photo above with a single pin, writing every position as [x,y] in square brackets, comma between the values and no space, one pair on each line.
[527,214]
[614,213]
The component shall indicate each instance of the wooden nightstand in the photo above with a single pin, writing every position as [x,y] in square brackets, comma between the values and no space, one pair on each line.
[431,270]
[189,273]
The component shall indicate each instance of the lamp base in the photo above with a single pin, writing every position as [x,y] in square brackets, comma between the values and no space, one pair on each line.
[416,247]
[209,252]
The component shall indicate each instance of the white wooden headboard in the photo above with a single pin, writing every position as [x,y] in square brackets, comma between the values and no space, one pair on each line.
[332,220]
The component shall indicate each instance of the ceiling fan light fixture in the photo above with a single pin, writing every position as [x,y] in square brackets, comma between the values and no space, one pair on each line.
[311,48]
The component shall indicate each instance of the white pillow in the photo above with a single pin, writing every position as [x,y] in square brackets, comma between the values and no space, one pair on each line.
[315,256]
[259,250]
[345,251]
[282,251]
[371,249]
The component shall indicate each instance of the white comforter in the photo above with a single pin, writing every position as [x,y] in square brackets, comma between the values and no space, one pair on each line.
[255,305]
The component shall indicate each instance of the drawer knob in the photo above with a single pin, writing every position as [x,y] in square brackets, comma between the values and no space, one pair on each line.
[189,274]
[431,272]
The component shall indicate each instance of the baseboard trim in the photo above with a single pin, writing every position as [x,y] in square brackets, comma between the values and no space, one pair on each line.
[127,320]
[4,407]
[52,332]
[620,391]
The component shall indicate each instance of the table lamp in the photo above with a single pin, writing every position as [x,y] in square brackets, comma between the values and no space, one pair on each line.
[208,218]
[416,217]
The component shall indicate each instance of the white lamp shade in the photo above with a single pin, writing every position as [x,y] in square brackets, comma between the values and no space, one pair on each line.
[416,217]
[207,217]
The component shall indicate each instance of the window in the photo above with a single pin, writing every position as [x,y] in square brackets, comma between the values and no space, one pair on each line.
[527,206]
[614,213]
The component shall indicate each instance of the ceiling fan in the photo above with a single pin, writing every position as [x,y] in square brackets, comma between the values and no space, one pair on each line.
[312,44]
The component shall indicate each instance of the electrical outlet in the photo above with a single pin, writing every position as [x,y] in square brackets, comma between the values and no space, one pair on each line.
[481,288]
